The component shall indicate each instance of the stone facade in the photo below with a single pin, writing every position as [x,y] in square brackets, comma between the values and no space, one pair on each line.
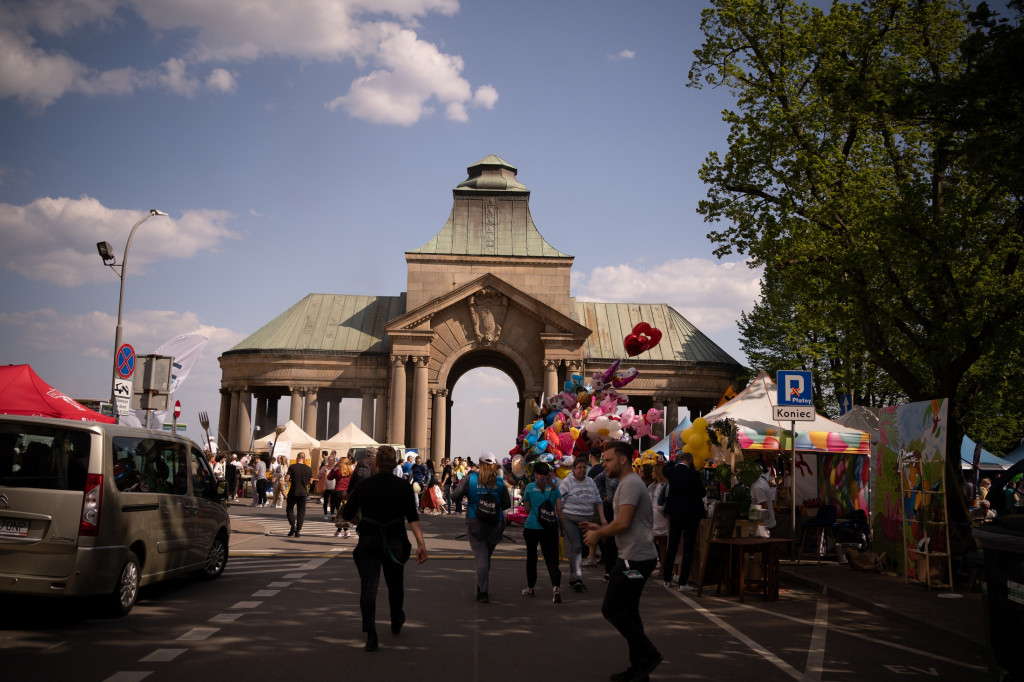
[487,290]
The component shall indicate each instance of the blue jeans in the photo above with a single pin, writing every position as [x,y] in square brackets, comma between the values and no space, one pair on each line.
[574,542]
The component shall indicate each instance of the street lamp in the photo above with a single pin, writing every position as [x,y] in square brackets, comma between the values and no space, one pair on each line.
[107,254]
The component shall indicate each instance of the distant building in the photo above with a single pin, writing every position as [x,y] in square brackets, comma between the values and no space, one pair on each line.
[486,291]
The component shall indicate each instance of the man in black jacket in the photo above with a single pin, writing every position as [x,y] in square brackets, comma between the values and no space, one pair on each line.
[684,508]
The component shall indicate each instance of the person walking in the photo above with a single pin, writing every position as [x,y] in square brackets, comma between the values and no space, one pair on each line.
[232,475]
[321,483]
[581,502]
[543,502]
[659,495]
[637,556]
[277,473]
[485,518]
[447,480]
[298,476]
[259,482]
[384,503]
[684,507]
[340,476]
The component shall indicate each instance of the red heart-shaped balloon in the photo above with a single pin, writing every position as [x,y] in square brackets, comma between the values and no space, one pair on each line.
[655,336]
[634,345]
[642,328]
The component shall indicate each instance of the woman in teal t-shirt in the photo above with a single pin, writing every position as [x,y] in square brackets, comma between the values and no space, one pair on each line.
[539,492]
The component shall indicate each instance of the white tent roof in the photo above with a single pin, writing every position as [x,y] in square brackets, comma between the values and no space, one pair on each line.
[665,444]
[863,418]
[348,437]
[751,409]
[299,439]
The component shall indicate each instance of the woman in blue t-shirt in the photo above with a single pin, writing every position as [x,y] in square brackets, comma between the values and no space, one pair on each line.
[536,497]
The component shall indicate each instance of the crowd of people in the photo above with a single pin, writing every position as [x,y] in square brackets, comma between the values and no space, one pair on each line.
[634,522]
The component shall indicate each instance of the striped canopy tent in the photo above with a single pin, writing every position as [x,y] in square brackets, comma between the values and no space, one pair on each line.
[751,410]
[838,473]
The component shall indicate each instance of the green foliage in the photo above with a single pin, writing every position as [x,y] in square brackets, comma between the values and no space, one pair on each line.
[747,472]
[864,171]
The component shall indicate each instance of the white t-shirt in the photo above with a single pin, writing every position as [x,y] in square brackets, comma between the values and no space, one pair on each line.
[579,497]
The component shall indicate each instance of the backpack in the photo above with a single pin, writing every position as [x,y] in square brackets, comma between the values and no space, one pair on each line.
[547,517]
[488,508]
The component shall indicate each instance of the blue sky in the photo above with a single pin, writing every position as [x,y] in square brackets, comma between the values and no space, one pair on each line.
[305,146]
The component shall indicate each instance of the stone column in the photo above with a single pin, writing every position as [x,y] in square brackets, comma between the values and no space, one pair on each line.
[366,414]
[671,416]
[222,436]
[233,433]
[244,432]
[396,401]
[261,414]
[334,417]
[380,419]
[272,412]
[551,378]
[323,407]
[295,409]
[438,425]
[309,413]
[420,404]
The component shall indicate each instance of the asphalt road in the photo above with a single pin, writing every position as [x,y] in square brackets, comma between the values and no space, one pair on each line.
[288,609]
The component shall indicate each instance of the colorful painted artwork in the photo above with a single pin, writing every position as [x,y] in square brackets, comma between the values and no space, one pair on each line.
[916,433]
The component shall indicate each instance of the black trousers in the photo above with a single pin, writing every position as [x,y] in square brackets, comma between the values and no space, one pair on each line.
[688,529]
[621,607]
[370,563]
[548,541]
[296,517]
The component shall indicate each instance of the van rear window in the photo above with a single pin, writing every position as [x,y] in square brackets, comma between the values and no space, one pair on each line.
[38,456]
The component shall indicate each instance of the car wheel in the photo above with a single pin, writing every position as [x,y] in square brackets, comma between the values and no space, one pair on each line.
[126,591]
[216,559]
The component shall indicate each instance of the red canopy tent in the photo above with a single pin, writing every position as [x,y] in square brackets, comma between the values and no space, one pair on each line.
[23,392]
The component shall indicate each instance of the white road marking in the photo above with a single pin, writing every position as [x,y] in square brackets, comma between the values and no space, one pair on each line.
[265,593]
[226,617]
[162,655]
[129,676]
[751,644]
[248,605]
[816,651]
[199,634]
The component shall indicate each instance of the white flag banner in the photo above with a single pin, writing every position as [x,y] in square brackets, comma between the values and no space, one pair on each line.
[185,349]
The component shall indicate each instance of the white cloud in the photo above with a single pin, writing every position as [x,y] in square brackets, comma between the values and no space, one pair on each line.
[175,78]
[75,352]
[54,238]
[709,293]
[221,80]
[624,54]
[407,72]
[413,73]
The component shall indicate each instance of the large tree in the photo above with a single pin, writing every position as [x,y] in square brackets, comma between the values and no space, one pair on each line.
[863,168]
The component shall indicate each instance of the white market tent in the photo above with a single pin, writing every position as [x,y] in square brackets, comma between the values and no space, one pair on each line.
[299,439]
[349,437]
[672,443]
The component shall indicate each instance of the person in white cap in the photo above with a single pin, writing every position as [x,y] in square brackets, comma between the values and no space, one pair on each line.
[485,518]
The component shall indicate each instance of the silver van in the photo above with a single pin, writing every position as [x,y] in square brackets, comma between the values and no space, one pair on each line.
[103,509]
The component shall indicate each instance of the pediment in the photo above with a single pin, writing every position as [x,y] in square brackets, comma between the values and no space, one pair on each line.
[488,297]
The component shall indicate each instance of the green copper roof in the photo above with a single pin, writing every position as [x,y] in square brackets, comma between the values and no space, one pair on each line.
[612,322]
[329,323]
[490,217]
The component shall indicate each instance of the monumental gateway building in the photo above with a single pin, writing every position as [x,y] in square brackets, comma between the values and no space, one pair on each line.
[486,291]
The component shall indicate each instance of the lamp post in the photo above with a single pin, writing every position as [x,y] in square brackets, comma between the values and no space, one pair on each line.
[107,254]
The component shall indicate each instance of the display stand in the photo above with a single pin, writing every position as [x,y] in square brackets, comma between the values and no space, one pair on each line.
[715,557]
[928,503]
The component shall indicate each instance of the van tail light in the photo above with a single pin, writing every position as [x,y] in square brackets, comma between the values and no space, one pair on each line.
[90,523]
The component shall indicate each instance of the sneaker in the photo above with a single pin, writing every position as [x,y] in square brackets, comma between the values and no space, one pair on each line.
[337,533]
[528,592]
[590,562]
[327,517]
[644,668]
[556,597]
[482,597]
[346,534]
[579,586]
[625,676]
[667,583]
[687,588]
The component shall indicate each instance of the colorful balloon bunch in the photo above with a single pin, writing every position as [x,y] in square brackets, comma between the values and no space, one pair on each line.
[583,415]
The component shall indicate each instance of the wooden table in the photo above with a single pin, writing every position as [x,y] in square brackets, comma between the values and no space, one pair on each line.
[768,548]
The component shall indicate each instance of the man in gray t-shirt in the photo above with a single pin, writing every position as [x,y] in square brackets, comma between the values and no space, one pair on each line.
[631,527]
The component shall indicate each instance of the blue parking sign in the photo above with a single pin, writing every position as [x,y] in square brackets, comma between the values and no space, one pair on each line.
[794,388]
